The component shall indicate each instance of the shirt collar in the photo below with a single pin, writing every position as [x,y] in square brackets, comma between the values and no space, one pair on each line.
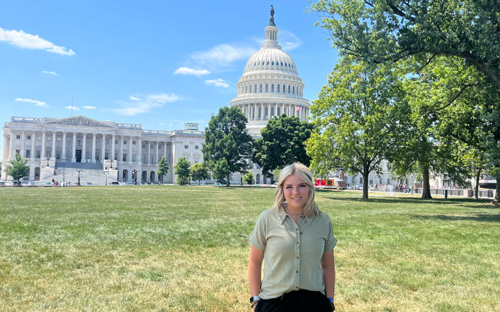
[282,215]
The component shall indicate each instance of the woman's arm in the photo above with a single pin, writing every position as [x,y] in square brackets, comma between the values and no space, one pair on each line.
[254,270]
[328,267]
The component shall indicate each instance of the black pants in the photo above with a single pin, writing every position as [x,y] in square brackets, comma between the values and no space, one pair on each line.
[296,301]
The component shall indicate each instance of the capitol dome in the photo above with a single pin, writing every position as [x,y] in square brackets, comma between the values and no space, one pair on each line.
[270,85]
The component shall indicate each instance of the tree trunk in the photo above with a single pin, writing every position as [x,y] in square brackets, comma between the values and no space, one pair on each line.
[496,199]
[476,189]
[426,187]
[365,183]
[227,180]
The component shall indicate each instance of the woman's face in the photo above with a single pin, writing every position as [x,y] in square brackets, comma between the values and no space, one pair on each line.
[296,192]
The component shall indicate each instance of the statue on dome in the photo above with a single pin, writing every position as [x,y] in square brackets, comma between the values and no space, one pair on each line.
[272,11]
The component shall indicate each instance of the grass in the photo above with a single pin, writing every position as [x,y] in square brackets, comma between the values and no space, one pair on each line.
[170,248]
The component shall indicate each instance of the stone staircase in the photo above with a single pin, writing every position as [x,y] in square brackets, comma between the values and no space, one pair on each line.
[68,172]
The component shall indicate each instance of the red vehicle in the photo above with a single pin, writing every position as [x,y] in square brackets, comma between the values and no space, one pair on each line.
[325,183]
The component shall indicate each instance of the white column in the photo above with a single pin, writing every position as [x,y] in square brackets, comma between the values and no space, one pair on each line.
[93,148]
[165,151]
[63,152]
[103,150]
[12,144]
[33,137]
[84,148]
[113,137]
[130,150]
[156,149]
[149,152]
[53,154]
[22,149]
[120,155]
[73,150]
[43,153]
[139,149]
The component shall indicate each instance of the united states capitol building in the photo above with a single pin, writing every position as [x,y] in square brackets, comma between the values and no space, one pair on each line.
[100,152]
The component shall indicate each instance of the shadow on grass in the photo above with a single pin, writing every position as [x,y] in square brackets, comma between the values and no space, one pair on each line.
[463,202]
[478,218]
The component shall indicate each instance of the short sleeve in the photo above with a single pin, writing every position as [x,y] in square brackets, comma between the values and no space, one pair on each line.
[258,236]
[331,241]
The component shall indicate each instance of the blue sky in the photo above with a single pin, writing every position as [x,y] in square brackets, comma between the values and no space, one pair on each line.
[156,63]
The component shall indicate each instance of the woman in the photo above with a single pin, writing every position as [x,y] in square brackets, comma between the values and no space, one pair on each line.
[295,241]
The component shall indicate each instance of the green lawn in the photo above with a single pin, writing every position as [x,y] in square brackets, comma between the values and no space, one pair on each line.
[170,248]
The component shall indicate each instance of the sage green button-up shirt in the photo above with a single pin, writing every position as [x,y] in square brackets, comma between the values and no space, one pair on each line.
[292,251]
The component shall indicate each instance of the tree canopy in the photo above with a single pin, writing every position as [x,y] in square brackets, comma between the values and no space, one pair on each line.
[198,172]
[182,171]
[356,117]
[163,167]
[282,143]
[387,31]
[227,142]
[17,168]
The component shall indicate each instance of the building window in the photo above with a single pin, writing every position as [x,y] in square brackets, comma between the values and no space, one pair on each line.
[28,137]
[124,157]
[196,160]
[278,89]
[261,88]
[49,138]
[18,151]
[267,87]
[133,142]
[28,153]
[196,147]
[388,181]
[58,139]
[97,140]
[68,139]
[272,87]
[124,142]
[116,141]
[186,146]
[38,137]
[18,137]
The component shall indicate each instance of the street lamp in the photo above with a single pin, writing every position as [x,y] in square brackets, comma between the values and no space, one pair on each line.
[134,176]
[106,173]
[48,161]
[79,171]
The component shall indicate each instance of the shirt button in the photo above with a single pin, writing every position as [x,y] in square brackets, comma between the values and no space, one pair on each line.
[297,243]
[297,257]
[297,271]
[300,233]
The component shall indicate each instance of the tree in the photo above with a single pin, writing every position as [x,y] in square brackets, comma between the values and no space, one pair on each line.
[198,172]
[182,171]
[276,174]
[386,31]
[282,143]
[221,171]
[227,143]
[357,114]
[17,168]
[163,167]
[249,178]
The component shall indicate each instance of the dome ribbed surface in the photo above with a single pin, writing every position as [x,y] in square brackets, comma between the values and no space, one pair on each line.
[271,58]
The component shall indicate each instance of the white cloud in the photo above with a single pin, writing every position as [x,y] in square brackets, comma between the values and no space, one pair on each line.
[50,73]
[89,107]
[72,107]
[223,55]
[29,41]
[217,82]
[191,71]
[37,103]
[145,106]
[291,41]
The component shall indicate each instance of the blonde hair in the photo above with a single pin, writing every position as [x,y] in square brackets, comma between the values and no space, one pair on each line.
[298,169]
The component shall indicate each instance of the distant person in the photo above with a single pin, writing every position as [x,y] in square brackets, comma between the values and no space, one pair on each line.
[294,240]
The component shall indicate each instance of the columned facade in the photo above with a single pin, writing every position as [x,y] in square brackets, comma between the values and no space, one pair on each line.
[57,148]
